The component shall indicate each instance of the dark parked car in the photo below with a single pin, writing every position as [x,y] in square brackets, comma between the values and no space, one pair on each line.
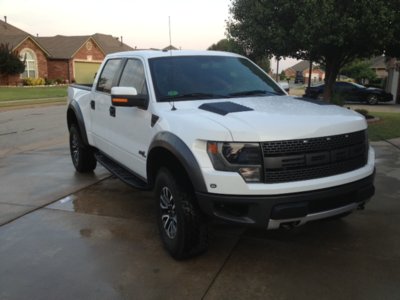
[299,77]
[352,92]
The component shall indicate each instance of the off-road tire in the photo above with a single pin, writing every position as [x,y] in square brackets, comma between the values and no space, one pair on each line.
[82,156]
[182,226]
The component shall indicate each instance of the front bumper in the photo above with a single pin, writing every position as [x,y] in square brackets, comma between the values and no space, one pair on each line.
[297,208]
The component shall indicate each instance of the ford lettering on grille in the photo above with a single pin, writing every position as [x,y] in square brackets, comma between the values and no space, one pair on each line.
[294,160]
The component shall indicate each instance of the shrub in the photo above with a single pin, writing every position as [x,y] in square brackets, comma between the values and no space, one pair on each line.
[33,81]
[378,82]
[49,81]
[337,99]
[363,112]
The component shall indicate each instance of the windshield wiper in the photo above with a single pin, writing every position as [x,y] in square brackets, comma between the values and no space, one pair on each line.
[193,96]
[253,93]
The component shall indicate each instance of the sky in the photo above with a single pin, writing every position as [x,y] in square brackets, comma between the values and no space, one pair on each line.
[195,24]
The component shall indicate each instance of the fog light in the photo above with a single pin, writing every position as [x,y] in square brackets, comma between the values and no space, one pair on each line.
[250,174]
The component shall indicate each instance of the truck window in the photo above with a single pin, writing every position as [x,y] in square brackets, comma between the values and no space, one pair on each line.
[177,77]
[133,76]
[106,79]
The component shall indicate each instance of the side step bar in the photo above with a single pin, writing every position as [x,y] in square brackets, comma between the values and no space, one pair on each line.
[121,172]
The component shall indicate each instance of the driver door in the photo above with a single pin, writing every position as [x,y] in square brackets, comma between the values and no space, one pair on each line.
[130,128]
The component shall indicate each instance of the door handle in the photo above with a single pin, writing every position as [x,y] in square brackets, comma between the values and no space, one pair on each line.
[112,111]
[93,105]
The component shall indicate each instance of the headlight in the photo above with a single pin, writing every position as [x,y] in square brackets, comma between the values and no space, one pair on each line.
[244,158]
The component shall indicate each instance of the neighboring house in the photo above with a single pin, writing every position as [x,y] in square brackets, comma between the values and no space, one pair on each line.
[378,64]
[303,68]
[393,79]
[65,58]
[170,47]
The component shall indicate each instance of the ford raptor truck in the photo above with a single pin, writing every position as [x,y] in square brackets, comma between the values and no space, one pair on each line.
[214,136]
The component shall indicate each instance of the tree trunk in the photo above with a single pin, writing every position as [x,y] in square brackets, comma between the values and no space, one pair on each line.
[309,74]
[332,70]
[277,69]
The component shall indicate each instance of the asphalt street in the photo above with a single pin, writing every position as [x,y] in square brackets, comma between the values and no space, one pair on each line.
[29,129]
[69,236]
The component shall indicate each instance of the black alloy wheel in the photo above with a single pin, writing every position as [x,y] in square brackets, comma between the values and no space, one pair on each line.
[182,225]
[372,99]
[82,156]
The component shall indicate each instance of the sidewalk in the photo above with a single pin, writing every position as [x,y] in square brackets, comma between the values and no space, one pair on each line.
[395,142]
[381,107]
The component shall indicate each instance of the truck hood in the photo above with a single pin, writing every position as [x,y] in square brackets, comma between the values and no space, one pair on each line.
[253,119]
[282,117]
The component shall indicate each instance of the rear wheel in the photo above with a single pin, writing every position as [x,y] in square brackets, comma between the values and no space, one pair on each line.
[372,99]
[181,224]
[81,155]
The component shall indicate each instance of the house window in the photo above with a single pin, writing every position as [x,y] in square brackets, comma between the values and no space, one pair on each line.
[30,63]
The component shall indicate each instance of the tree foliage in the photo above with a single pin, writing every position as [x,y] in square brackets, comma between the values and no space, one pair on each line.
[10,62]
[282,76]
[230,45]
[330,32]
[359,70]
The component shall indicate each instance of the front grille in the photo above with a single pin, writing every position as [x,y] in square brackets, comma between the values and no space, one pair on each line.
[304,159]
[313,144]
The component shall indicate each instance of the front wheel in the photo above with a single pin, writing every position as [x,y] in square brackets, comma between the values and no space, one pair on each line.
[181,224]
[81,155]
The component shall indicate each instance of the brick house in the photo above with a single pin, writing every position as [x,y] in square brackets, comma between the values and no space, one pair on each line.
[378,65]
[64,58]
[303,68]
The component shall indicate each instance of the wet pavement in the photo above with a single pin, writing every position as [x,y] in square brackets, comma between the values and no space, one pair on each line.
[33,179]
[68,236]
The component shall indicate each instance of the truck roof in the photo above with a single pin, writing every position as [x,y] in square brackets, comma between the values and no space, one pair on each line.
[164,53]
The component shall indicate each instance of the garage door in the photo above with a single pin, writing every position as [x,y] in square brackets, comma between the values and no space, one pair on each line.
[85,71]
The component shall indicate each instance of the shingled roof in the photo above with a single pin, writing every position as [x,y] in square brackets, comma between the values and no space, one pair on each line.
[11,35]
[64,47]
[110,44]
[301,66]
[378,62]
[60,46]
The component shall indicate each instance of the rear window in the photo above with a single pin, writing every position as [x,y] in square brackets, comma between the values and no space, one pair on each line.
[108,75]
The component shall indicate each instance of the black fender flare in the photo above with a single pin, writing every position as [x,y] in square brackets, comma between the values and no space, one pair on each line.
[73,108]
[184,155]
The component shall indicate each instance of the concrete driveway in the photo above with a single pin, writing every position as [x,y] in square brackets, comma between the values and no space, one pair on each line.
[68,236]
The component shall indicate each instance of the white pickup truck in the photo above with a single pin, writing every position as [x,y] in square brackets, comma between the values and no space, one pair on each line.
[215,136]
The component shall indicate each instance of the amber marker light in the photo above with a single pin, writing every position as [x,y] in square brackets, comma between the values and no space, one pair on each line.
[212,147]
[120,100]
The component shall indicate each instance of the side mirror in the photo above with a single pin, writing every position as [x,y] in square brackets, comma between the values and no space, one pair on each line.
[127,97]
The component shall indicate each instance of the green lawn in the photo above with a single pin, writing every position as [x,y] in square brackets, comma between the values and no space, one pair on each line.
[387,128]
[19,93]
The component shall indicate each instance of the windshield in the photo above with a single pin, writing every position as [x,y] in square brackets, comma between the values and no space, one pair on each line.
[208,77]
[358,85]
